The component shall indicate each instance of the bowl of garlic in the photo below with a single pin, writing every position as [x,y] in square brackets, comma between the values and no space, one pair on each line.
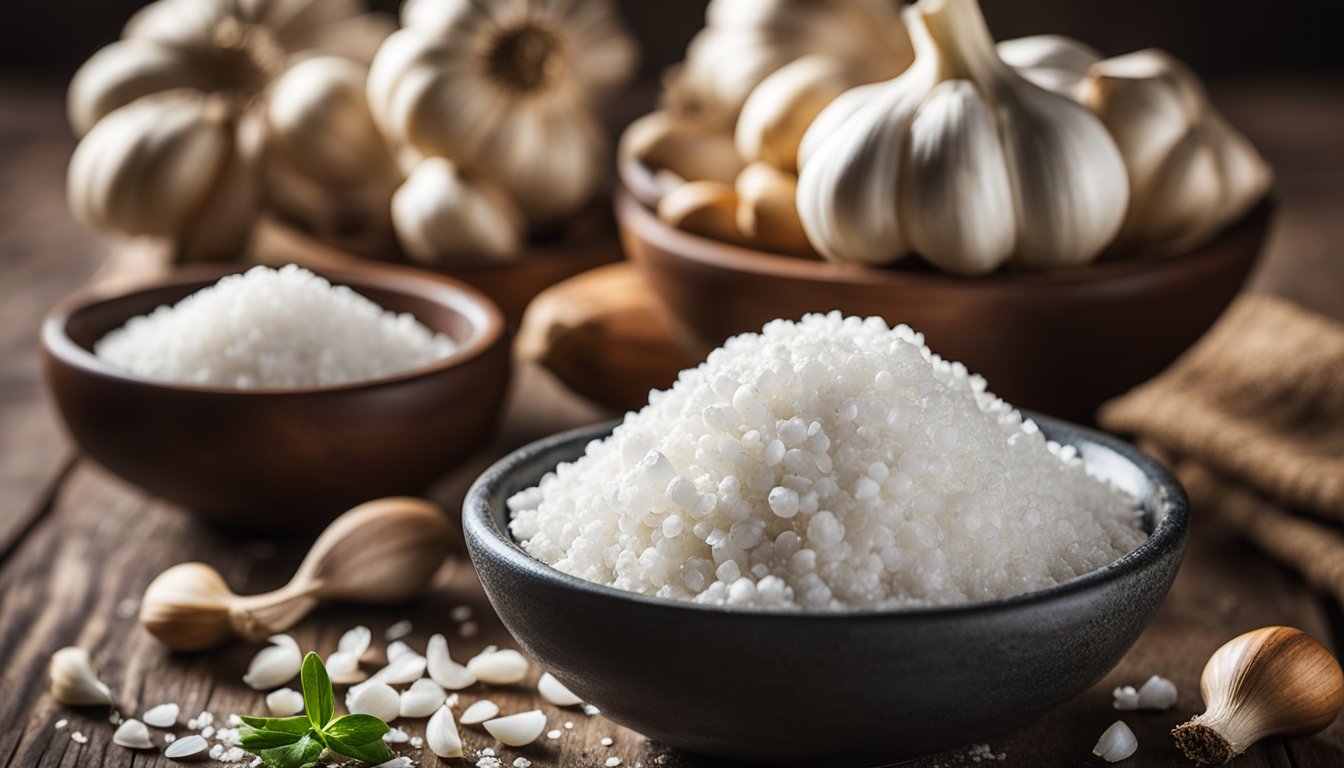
[1066,223]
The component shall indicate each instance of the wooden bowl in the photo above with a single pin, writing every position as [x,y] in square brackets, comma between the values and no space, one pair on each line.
[1061,341]
[291,458]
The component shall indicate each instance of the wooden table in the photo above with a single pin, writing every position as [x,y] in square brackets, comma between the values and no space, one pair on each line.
[77,546]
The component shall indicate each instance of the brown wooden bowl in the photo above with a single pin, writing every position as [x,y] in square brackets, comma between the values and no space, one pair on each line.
[1061,341]
[287,458]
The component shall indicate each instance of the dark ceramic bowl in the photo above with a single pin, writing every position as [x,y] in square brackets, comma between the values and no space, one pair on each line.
[1061,341]
[815,688]
[290,458]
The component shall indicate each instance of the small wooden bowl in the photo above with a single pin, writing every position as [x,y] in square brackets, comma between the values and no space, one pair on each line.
[1061,341]
[290,458]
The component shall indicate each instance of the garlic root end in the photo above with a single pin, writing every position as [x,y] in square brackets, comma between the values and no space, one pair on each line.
[1203,744]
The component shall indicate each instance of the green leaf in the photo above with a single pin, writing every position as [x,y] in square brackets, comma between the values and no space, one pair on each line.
[301,754]
[373,753]
[317,694]
[297,725]
[255,739]
[356,730]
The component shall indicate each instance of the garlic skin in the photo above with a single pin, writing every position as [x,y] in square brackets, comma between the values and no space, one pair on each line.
[441,217]
[1054,62]
[506,89]
[1190,172]
[744,41]
[74,682]
[1273,681]
[962,160]
[778,111]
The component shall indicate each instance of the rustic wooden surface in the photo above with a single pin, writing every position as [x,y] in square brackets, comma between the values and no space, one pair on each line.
[77,546]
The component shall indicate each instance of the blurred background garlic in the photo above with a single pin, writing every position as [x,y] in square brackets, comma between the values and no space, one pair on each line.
[506,90]
[444,217]
[173,115]
[1054,62]
[778,112]
[663,150]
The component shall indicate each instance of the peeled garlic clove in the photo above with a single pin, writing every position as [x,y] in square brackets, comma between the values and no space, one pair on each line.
[285,702]
[187,747]
[778,112]
[441,217]
[1054,62]
[132,734]
[441,734]
[162,716]
[1157,693]
[74,681]
[275,665]
[1116,743]
[398,648]
[343,664]
[497,667]
[479,712]
[443,669]
[355,641]
[517,730]
[422,699]
[767,210]
[408,667]
[374,698]
[555,692]
[706,208]
[1125,698]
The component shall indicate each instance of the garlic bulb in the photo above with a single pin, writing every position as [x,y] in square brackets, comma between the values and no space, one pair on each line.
[663,150]
[74,681]
[743,41]
[1190,173]
[1273,681]
[442,218]
[1054,62]
[506,89]
[962,160]
[171,114]
[778,111]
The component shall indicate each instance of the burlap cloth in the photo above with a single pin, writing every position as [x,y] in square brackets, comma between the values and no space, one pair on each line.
[1251,420]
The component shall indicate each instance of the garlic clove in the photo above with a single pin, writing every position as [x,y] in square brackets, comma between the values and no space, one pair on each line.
[374,698]
[705,208]
[441,734]
[422,699]
[442,669]
[285,702]
[479,712]
[187,747]
[162,716]
[835,115]
[1116,743]
[670,149]
[778,112]
[343,664]
[517,730]
[132,734]
[397,649]
[407,667]
[442,217]
[1054,62]
[355,641]
[1125,698]
[767,210]
[555,692]
[275,665]
[74,681]
[1157,693]
[498,667]
[124,71]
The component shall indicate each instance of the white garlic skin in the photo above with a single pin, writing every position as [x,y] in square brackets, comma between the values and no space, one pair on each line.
[960,159]
[74,681]
[442,217]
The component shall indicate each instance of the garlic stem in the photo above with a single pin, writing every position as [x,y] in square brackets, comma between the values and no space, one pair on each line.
[961,37]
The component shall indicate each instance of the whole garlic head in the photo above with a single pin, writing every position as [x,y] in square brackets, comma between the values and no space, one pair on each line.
[778,112]
[441,217]
[171,114]
[960,159]
[1190,173]
[506,90]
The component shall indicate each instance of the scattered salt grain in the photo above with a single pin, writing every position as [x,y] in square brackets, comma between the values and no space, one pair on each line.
[162,716]
[607,742]
[216,751]
[60,724]
[396,736]
[913,488]
[589,710]
[207,731]
[468,630]
[1116,743]
[488,752]
[460,613]
[552,734]
[489,762]
[79,738]
[522,762]
[613,762]
[127,608]
[269,328]
[569,725]
[169,738]
[417,742]
[398,630]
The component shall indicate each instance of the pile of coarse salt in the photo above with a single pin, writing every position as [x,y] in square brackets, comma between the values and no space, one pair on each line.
[273,329]
[831,463]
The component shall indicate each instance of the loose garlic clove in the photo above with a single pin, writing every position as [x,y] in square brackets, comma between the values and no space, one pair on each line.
[422,699]
[74,681]
[162,716]
[442,217]
[275,665]
[407,667]
[1125,698]
[443,670]
[187,747]
[479,712]
[705,208]
[132,734]
[767,210]
[1157,693]
[555,692]
[1116,743]
[343,664]
[497,667]
[441,734]
[1274,681]
[778,112]
[517,730]
[285,702]
[661,151]
[374,698]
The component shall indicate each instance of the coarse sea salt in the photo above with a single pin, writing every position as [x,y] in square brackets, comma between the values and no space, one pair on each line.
[275,329]
[832,463]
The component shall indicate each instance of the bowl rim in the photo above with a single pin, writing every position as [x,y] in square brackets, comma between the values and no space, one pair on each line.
[485,538]
[713,254]
[484,317]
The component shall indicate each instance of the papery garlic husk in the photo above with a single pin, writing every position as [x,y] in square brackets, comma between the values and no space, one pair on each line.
[1190,172]
[706,208]
[1054,62]
[744,41]
[962,160]
[778,111]
[74,681]
[443,217]
[507,90]
[1273,681]
[767,211]
[663,150]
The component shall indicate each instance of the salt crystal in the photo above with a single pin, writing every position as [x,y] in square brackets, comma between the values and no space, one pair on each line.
[552,734]
[589,710]
[613,762]
[468,629]
[522,762]
[79,738]
[396,736]
[127,608]
[607,742]
[61,723]
[398,630]
[401,761]
[460,613]
[489,762]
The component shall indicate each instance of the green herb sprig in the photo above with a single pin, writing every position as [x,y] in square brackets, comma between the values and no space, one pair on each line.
[298,742]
